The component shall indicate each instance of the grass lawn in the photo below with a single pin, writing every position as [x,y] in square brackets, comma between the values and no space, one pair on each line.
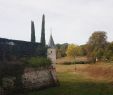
[74,83]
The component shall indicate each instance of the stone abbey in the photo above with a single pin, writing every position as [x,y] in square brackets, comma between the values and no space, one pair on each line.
[18,76]
[15,49]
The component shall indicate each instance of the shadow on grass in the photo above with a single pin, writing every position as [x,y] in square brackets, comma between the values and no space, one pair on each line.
[73,88]
[76,85]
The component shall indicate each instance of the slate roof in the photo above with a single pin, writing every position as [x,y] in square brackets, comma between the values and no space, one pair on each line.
[51,42]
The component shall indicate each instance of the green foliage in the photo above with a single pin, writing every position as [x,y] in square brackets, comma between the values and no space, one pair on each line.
[67,63]
[98,39]
[38,62]
[97,44]
[99,53]
[76,62]
[108,54]
[74,50]
[80,50]
[71,50]
[61,50]
[83,50]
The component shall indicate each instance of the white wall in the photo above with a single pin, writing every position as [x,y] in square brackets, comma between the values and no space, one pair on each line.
[51,53]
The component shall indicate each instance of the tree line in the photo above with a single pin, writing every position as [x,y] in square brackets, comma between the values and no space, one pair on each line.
[96,49]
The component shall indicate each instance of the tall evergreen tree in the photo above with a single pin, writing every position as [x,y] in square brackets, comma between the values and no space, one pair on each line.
[32,32]
[43,31]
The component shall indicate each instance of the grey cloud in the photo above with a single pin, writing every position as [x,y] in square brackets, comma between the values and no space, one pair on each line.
[72,20]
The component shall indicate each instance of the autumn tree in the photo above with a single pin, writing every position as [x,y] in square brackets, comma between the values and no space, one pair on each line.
[97,44]
[74,50]
[108,54]
[61,50]
[83,50]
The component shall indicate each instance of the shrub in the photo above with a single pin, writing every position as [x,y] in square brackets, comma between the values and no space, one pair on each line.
[66,63]
[76,62]
[81,62]
[38,62]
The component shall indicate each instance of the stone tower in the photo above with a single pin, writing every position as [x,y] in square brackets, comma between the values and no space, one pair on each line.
[51,52]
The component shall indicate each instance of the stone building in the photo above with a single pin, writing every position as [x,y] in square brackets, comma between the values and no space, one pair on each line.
[29,78]
[51,51]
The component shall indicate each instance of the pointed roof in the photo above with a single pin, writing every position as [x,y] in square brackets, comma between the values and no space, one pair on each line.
[42,40]
[32,32]
[51,42]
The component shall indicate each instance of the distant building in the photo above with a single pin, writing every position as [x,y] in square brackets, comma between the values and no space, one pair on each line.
[11,49]
[17,77]
[51,51]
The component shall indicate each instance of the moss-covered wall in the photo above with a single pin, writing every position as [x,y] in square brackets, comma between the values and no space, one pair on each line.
[17,77]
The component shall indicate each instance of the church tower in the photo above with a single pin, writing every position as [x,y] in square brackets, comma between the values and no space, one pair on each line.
[51,52]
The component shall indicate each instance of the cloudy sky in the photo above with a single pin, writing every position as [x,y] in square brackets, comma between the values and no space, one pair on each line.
[71,21]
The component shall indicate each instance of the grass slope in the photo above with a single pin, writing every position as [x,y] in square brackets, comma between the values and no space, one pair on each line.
[74,83]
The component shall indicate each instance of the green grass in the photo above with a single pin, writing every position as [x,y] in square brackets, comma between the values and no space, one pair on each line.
[75,84]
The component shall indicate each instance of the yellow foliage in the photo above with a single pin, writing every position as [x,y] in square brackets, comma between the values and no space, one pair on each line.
[71,50]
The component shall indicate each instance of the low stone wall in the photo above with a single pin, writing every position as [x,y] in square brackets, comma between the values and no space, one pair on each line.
[32,78]
[38,78]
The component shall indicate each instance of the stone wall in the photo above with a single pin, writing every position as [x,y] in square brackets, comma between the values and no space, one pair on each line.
[38,78]
[32,78]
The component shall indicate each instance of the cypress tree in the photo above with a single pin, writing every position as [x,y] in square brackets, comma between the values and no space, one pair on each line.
[43,31]
[32,32]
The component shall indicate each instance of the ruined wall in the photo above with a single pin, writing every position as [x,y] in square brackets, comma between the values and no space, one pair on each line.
[32,78]
[37,78]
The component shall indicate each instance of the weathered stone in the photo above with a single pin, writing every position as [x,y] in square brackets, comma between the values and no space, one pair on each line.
[37,78]
[32,78]
[8,82]
[2,91]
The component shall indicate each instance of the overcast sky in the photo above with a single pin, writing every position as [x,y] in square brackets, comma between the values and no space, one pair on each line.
[71,21]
